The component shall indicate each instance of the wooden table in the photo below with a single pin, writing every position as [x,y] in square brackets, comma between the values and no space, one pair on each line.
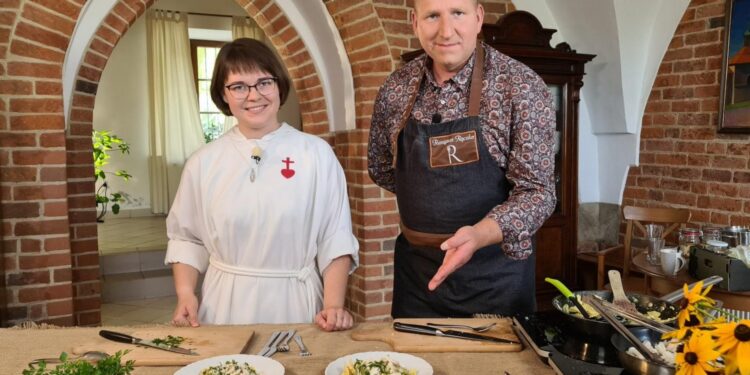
[658,283]
[18,346]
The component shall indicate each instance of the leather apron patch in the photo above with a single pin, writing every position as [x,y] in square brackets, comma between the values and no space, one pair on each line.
[453,149]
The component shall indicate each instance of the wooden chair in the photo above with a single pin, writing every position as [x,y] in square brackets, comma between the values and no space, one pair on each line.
[637,217]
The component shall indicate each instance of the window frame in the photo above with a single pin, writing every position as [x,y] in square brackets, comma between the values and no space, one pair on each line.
[194,45]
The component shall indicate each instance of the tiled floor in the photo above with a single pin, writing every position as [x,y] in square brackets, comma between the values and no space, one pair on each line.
[138,312]
[145,236]
[129,234]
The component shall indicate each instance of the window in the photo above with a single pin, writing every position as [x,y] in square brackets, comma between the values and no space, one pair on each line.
[204,54]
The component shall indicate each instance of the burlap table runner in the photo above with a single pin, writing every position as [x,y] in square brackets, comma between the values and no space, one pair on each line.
[19,346]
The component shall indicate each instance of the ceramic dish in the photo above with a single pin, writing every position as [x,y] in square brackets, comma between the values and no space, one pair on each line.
[405,360]
[263,365]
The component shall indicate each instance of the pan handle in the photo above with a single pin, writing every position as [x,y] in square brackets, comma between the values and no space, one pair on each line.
[678,294]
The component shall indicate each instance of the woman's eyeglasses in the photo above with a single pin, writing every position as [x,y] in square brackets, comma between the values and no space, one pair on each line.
[241,90]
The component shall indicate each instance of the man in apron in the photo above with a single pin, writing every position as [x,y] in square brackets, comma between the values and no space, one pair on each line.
[463,135]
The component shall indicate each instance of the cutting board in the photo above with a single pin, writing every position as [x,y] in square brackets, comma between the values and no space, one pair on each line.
[416,343]
[208,341]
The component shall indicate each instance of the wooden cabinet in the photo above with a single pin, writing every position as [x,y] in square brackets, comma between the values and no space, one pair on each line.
[521,36]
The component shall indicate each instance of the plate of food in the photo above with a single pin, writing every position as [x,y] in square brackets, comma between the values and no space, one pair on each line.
[239,364]
[381,363]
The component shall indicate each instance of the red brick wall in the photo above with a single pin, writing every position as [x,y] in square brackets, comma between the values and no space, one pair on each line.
[49,239]
[684,162]
[50,254]
[34,36]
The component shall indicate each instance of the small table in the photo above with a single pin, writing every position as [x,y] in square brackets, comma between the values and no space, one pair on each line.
[659,283]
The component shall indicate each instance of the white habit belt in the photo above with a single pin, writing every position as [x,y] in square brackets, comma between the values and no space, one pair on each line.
[307,275]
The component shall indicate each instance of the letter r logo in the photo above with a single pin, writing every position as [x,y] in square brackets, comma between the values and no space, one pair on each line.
[452,154]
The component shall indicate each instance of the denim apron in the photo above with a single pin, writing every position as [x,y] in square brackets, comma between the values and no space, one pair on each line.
[447,179]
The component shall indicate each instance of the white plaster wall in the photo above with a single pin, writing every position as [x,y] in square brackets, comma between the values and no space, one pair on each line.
[319,33]
[122,107]
[629,38]
[92,14]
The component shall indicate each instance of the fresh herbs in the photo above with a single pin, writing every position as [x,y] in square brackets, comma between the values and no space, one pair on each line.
[230,367]
[384,366]
[76,366]
[170,341]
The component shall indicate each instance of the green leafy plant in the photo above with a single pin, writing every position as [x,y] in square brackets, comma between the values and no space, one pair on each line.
[212,129]
[104,142]
[111,365]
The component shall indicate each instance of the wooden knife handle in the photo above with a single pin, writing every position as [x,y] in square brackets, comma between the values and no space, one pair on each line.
[117,336]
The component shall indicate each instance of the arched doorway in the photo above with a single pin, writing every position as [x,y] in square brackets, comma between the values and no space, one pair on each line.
[282,34]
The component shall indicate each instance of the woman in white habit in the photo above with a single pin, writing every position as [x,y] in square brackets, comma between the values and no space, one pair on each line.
[263,211]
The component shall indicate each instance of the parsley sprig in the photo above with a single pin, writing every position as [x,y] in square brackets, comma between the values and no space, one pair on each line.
[76,366]
[170,341]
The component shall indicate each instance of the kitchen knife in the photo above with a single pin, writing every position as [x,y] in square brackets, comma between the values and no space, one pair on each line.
[433,331]
[121,337]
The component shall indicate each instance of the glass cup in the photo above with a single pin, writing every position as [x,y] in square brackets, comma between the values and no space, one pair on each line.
[654,230]
[654,247]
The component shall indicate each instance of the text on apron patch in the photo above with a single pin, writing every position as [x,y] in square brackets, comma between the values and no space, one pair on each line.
[453,149]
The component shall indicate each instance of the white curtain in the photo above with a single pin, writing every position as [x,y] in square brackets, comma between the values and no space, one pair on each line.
[175,128]
[242,27]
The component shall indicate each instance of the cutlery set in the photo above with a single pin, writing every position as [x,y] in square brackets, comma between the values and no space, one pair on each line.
[279,342]
[433,329]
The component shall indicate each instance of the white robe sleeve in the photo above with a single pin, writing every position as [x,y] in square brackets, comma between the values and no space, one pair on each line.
[335,237]
[185,224]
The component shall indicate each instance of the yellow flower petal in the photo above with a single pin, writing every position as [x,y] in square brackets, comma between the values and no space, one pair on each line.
[743,358]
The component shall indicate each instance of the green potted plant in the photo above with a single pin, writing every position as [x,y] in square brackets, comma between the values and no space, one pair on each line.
[104,142]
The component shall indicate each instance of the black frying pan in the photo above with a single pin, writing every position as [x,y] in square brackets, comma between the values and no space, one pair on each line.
[598,328]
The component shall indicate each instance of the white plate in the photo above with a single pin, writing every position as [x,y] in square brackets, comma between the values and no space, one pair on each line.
[263,365]
[406,360]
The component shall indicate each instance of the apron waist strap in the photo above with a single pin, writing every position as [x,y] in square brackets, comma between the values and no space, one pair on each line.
[313,285]
[417,238]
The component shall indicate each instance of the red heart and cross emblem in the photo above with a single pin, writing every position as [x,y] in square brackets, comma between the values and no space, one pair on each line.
[287,172]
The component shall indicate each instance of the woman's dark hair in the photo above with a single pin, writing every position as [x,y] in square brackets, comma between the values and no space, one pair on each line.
[245,55]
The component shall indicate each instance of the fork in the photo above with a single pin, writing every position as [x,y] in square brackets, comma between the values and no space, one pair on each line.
[483,328]
[283,346]
[302,347]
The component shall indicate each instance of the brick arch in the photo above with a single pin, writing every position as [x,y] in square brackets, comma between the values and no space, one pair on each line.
[81,187]
[33,200]
[50,250]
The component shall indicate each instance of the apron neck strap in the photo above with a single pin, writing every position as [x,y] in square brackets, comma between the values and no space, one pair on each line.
[475,92]
[475,95]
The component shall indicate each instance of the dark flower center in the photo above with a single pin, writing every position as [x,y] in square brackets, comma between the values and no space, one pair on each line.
[684,304]
[742,332]
[692,321]
[691,358]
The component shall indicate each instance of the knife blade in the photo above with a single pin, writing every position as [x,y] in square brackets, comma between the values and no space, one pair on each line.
[125,338]
[433,331]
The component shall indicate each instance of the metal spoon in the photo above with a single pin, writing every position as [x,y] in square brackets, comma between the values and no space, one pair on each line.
[90,356]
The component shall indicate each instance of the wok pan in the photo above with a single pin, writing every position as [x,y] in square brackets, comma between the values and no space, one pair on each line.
[637,366]
[597,328]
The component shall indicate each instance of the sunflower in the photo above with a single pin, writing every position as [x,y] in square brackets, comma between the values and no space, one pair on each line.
[697,355]
[686,323]
[695,303]
[698,295]
[733,340]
